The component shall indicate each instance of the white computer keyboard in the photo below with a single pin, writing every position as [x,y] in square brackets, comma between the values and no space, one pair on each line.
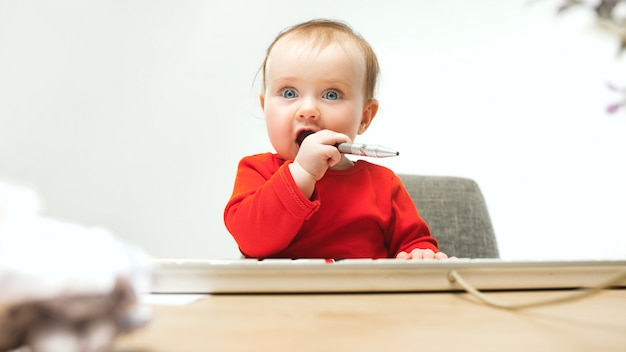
[366,275]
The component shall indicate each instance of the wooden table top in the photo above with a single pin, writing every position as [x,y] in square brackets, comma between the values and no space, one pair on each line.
[383,322]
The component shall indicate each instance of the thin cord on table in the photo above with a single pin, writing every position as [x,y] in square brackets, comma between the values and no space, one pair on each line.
[454,276]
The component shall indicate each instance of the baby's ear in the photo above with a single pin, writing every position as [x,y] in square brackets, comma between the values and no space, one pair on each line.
[369,112]
[262,101]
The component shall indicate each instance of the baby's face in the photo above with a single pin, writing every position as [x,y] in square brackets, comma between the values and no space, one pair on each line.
[310,89]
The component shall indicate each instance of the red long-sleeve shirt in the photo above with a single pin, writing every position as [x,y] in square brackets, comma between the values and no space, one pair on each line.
[361,212]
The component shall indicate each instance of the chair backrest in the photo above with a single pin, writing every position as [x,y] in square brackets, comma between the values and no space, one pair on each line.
[455,210]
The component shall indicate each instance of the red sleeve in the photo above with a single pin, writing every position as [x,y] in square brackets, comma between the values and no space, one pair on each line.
[409,230]
[266,209]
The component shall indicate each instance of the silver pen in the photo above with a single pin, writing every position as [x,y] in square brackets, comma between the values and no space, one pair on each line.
[375,151]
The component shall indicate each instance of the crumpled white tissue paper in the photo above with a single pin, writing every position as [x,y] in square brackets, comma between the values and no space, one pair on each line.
[64,287]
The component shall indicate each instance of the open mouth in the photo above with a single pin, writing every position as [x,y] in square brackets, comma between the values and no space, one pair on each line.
[302,135]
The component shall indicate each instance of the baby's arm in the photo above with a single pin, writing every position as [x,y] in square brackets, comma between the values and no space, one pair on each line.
[412,239]
[263,195]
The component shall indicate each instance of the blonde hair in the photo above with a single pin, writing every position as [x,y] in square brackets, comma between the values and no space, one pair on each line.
[324,32]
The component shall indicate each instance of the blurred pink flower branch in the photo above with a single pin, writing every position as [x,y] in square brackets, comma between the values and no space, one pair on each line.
[611,16]
[620,104]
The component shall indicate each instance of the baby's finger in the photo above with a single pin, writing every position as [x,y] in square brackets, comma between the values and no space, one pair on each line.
[423,254]
[331,137]
[441,256]
[402,255]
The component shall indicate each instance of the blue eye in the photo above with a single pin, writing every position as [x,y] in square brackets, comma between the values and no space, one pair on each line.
[331,95]
[289,93]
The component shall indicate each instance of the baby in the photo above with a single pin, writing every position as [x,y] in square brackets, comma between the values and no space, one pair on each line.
[308,200]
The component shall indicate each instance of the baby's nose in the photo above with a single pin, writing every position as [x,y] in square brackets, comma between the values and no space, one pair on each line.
[308,110]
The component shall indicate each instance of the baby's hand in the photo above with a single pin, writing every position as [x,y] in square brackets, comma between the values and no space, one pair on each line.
[318,152]
[418,253]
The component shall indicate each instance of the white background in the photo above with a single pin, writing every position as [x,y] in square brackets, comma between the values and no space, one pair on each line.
[133,115]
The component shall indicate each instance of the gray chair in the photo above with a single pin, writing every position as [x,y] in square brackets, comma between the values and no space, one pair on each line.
[455,210]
